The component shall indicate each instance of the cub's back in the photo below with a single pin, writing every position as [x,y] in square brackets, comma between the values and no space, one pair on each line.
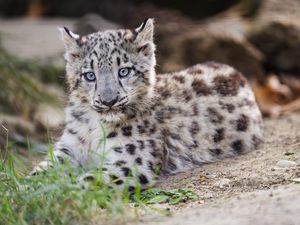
[207,112]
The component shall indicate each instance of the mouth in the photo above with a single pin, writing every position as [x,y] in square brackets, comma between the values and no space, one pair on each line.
[109,111]
[116,109]
[110,114]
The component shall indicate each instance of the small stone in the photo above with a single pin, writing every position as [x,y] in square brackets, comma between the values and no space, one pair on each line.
[222,183]
[283,164]
[211,176]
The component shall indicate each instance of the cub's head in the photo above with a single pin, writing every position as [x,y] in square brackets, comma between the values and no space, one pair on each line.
[112,71]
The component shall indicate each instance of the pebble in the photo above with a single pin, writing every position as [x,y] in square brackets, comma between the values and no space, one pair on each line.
[282,164]
[222,183]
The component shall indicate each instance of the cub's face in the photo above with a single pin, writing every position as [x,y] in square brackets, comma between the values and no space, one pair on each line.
[112,71]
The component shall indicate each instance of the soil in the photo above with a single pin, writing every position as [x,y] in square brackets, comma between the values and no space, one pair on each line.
[248,189]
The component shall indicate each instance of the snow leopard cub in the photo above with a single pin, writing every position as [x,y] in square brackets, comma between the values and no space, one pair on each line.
[142,120]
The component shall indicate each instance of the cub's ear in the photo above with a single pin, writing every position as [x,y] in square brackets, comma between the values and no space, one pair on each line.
[71,42]
[144,38]
[145,31]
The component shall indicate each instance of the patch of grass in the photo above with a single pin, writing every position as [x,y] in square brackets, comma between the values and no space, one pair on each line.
[174,196]
[295,180]
[57,198]
[289,153]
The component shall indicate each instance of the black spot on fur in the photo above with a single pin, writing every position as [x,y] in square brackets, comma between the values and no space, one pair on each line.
[126,171]
[214,115]
[175,136]
[194,128]
[84,100]
[165,93]
[141,144]
[150,166]
[179,78]
[77,115]
[238,146]
[131,188]
[112,134]
[215,151]
[143,179]
[76,85]
[130,148]
[118,61]
[60,159]
[81,140]
[92,64]
[71,131]
[152,145]
[219,135]
[230,107]
[152,129]
[193,146]
[139,161]
[115,179]
[117,149]
[171,166]
[66,151]
[195,110]
[141,129]
[153,153]
[120,163]
[242,123]
[89,178]
[229,86]
[127,131]
[186,95]
[200,87]
[119,181]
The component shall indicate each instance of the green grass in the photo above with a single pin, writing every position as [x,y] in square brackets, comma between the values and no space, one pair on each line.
[295,180]
[57,198]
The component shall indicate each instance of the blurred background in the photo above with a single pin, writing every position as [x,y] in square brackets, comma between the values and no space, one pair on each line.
[261,38]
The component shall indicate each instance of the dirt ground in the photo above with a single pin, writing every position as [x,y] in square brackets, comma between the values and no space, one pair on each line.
[249,189]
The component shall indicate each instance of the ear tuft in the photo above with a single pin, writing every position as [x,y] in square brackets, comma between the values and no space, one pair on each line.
[69,38]
[71,42]
[145,31]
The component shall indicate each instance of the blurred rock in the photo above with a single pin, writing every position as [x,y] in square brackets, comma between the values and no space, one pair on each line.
[91,23]
[48,117]
[13,125]
[283,164]
[28,39]
[279,41]
[202,43]
[222,183]
[274,9]
[276,33]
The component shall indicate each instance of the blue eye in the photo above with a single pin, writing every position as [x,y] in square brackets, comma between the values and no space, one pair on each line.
[89,76]
[124,72]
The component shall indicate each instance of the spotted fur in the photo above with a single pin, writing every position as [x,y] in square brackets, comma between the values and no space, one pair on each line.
[174,121]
